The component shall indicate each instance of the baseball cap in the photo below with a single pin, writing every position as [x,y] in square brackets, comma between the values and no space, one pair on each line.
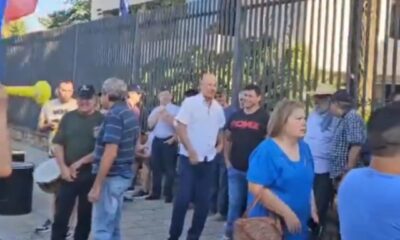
[86,92]
[134,88]
[342,96]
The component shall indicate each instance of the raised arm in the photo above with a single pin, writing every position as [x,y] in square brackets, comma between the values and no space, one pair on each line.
[5,145]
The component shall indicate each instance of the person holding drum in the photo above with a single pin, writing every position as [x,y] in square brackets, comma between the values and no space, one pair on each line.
[74,144]
[49,119]
[5,150]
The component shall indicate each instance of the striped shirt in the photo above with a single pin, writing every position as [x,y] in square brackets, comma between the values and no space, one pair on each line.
[121,127]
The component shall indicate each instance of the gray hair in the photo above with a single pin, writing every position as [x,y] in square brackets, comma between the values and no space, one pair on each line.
[115,87]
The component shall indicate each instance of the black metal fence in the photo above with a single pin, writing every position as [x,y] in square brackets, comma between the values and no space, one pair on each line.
[285,46]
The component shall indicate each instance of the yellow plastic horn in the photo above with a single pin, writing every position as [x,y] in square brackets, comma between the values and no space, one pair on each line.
[40,92]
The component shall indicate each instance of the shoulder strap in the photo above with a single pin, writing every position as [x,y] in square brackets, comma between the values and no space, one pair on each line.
[257,198]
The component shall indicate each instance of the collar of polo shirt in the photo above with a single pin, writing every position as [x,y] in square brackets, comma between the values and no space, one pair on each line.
[200,95]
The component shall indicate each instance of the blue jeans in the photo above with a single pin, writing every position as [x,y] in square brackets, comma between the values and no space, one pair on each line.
[107,210]
[237,192]
[194,185]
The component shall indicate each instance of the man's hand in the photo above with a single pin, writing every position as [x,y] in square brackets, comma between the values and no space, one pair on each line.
[74,168]
[220,148]
[48,127]
[94,194]
[3,98]
[66,174]
[193,157]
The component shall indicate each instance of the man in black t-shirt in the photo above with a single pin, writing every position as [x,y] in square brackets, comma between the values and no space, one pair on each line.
[244,131]
[74,144]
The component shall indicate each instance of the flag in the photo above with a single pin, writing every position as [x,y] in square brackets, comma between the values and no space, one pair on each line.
[3,4]
[123,8]
[19,8]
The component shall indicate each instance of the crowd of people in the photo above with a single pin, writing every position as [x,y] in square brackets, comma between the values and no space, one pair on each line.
[287,166]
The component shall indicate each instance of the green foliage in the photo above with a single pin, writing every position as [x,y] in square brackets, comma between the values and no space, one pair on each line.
[280,75]
[77,13]
[14,28]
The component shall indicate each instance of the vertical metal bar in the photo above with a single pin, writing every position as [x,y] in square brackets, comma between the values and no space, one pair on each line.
[238,54]
[309,69]
[385,48]
[291,70]
[273,65]
[76,43]
[278,59]
[366,58]
[298,51]
[375,64]
[262,58]
[318,46]
[137,49]
[396,32]
[341,18]
[254,49]
[303,50]
[333,42]
[326,28]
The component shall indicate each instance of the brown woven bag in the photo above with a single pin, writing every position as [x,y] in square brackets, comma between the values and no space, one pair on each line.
[259,228]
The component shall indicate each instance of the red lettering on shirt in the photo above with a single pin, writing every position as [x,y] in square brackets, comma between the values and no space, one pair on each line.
[241,124]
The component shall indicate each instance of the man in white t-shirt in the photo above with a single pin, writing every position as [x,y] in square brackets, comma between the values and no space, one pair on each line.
[49,119]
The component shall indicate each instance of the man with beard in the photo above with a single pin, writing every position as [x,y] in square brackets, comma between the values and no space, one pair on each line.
[244,131]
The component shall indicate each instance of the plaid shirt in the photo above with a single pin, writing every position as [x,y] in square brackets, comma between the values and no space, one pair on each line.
[350,131]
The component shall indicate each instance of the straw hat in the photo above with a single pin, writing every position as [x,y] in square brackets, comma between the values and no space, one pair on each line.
[323,89]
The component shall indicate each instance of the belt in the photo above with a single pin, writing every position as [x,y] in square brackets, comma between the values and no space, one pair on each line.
[163,139]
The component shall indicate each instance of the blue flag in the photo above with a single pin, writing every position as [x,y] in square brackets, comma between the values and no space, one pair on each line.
[123,8]
[3,4]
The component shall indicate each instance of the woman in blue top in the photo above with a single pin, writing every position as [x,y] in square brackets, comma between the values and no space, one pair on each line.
[281,172]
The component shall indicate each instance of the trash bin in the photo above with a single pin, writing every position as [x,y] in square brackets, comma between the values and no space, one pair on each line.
[16,190]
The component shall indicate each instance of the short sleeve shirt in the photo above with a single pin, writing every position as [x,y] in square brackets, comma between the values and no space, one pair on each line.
[203,122]
[120,127]
[53,111]
[368,205]
[290,181]
[247,131]
[77,136]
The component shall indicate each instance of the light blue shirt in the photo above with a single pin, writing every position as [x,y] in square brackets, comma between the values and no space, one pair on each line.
[368,205]
[320,129]
[163,129]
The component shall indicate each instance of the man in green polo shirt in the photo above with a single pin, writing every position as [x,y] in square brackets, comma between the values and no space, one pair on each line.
[74,145]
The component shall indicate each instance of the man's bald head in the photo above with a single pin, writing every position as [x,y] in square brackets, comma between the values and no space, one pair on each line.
[208,85]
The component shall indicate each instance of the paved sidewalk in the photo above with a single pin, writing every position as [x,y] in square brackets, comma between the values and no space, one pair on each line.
[142,220]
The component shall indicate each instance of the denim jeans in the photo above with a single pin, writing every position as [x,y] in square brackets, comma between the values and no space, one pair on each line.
[194,185]
[107,210]
[237,191]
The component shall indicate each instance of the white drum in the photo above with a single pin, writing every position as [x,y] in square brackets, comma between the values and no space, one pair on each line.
[48,176]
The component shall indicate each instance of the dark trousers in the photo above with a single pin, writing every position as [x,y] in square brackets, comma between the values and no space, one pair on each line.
[65,202]
[163,162]
[323,192]
[195,183]
[219,192]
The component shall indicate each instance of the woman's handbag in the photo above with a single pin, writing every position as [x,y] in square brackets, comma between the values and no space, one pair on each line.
[258,228]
